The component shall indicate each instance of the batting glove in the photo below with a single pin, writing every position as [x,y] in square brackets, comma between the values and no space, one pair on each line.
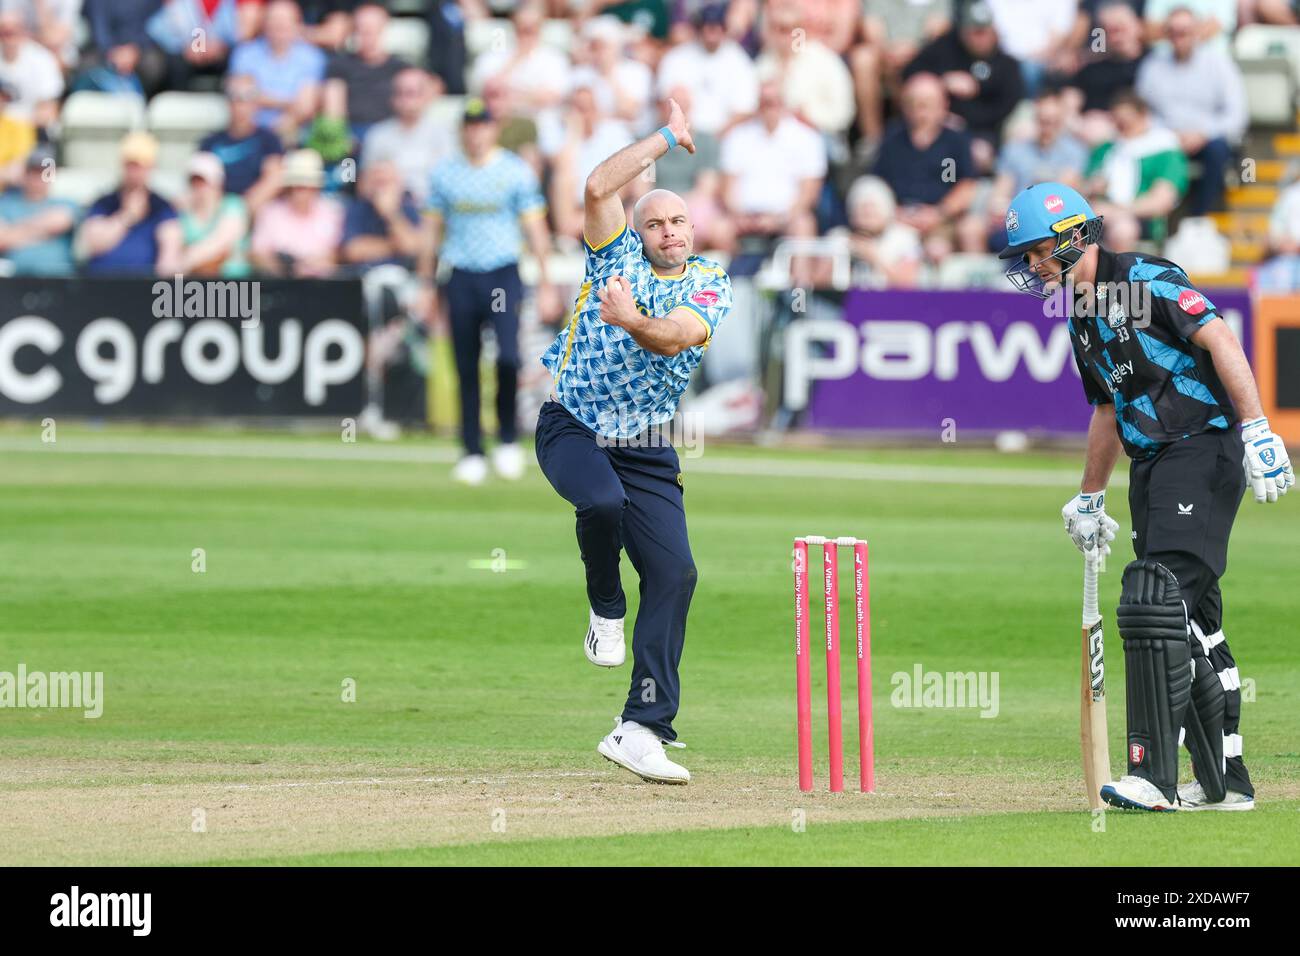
[1267,465]
[1087,523]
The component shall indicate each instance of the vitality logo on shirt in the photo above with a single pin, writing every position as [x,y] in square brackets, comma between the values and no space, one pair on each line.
[1191,302]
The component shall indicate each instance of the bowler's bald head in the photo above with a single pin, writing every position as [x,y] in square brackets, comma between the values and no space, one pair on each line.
[661,219]
[656,204]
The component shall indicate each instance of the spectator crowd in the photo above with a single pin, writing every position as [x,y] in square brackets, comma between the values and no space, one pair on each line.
[902,128]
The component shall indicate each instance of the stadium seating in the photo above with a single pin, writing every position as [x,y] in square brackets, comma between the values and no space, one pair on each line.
[408,39]
[1258,41]
[93,124]
[488,34]
[559,34]
[82,185]
[970,270]
[1270,90]
[484,35]
[1269,58]
[93,127]
[448,109]
[179,120]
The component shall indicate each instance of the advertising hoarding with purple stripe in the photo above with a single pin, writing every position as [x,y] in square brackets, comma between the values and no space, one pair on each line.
[987,361]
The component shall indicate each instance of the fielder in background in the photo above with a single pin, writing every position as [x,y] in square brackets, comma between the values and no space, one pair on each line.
[481,205]
[644,314]
[1171,387]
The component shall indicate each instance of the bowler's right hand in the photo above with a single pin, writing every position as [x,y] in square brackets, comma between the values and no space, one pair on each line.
[677,123]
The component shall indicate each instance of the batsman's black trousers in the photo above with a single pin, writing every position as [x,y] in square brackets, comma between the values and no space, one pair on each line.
[1183,502]
[628,496]
[475,299]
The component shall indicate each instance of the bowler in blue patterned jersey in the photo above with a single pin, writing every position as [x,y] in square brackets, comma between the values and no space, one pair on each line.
[1171,387]
[646,311]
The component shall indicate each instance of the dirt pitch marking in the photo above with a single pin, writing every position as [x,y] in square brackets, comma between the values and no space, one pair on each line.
[101,811]
[111,811]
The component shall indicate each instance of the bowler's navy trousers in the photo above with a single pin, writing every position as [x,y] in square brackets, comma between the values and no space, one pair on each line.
[628,496]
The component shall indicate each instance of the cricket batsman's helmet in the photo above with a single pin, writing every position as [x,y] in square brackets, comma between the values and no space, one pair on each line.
[1046,211]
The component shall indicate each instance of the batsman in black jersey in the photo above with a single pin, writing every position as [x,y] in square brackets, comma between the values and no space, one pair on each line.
[1171,387]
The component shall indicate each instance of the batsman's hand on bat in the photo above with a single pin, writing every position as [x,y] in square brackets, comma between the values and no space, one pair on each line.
[1087,524]
[1267,465]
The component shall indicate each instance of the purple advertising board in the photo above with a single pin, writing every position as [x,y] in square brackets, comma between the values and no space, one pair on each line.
[988,361]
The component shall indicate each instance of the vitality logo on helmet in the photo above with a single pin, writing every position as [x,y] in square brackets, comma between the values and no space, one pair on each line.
[1048,211]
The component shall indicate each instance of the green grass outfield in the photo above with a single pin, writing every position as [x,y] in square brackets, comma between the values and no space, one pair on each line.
[472,735]
[1009,839]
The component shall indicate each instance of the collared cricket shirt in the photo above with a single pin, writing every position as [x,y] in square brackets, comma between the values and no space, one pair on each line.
[602,376]
[1134,351]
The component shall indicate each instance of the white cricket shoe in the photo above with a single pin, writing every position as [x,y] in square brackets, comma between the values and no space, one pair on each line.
[374,424]
[470,470]
[1191,796]
[508,461]
[604,644]
[640,750]
[1136,793]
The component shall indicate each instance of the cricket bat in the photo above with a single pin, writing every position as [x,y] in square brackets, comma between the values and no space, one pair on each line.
[1092,689]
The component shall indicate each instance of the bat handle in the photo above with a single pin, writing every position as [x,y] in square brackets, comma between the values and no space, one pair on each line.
[1090,612]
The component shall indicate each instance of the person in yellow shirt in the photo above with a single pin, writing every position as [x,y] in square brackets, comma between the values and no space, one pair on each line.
[17,139]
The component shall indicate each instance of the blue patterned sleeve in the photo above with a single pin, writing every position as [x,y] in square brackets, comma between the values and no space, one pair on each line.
[711,302]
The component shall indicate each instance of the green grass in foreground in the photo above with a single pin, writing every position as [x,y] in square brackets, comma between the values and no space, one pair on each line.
[318,571]
[1262,837]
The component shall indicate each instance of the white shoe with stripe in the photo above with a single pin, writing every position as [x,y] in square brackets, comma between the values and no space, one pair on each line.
[1136,793]
[640,750]
[604,645]
[1191,797]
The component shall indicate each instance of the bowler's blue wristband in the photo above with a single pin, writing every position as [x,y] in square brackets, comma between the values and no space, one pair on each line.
[667,134]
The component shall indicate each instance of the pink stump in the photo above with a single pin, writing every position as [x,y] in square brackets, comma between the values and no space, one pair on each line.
[866,733]
[802,674]
[835,730]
